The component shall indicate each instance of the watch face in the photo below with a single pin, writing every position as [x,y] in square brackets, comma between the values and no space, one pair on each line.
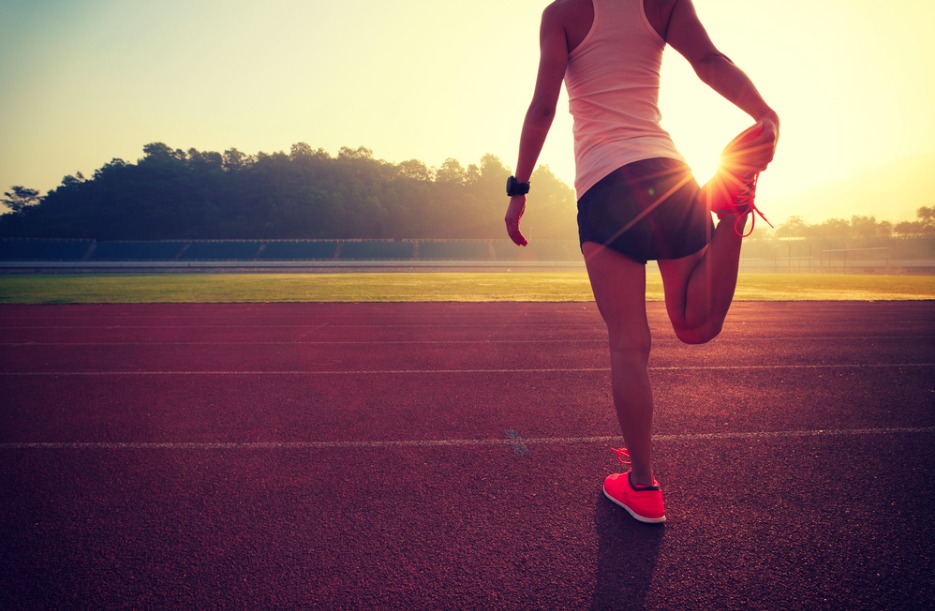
[510,184]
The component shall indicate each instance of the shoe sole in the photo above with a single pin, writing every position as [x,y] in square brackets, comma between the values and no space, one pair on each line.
[636,516]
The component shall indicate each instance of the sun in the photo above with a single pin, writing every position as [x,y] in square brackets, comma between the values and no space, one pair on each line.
[703,164]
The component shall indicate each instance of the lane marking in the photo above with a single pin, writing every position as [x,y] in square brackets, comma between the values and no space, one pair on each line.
[538,324]
[326,343]
[601,340]
[210,311]
[461,371]
[822,366]
[509,441]
[339,306]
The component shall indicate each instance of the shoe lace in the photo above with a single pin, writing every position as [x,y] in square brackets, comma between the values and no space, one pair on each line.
[743,203]
[622,452]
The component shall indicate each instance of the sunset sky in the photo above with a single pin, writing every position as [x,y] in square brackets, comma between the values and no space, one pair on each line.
[82,82]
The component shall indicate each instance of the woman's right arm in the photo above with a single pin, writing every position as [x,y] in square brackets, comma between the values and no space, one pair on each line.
[553,60]
[687,35]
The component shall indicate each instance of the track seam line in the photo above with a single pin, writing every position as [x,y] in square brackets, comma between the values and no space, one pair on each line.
[368,343]
[596,326]
[463,371]
[513,441]
[318,327]
[454,341]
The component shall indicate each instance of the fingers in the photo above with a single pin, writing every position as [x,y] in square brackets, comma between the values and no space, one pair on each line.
[518,238]
[512,229]
[757,156]
[762,150]
[751,154]
[513,215]
[753,138]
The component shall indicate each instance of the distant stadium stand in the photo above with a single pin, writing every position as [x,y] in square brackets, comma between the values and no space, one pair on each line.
[298,250]
[18,249]
[226,250]
[454,250]
[136,251]
[537,250]
[376,250]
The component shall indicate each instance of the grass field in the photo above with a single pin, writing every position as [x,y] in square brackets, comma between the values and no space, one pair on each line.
[377,287]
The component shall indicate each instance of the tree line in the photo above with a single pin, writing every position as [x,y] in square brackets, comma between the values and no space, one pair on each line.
[858,227]
[309,194]
[303,194]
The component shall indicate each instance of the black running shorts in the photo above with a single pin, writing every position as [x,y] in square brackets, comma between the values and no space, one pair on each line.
[647,210]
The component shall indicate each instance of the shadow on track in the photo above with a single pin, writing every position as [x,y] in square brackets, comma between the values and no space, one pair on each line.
[626,557]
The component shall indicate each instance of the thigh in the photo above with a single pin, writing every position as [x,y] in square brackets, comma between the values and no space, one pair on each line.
[676,274]
[619,285]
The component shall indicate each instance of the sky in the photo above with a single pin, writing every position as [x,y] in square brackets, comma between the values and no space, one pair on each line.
[86,81]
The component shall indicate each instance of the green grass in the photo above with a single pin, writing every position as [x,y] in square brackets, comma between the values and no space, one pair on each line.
[377,287]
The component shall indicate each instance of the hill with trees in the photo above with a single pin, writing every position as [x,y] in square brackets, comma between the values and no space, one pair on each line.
[173,194]
[305,194]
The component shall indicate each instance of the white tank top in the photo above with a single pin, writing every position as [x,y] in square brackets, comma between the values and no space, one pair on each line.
[612,80]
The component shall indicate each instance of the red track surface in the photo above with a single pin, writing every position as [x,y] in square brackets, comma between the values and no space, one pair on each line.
[397,484]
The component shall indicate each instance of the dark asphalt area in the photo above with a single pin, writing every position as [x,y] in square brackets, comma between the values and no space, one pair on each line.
[450,456]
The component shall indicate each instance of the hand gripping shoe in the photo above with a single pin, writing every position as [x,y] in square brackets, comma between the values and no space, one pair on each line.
[734,178]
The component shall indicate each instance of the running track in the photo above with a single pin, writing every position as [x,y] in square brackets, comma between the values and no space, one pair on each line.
[423,456]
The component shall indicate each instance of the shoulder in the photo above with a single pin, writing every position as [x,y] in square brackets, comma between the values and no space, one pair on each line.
[573,17]
[565,11]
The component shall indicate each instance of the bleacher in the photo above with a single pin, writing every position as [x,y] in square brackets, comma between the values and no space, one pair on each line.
[376,250]
[222,250]
[454,250]
[136,251]
[20,249]
[298,250]
[538,250]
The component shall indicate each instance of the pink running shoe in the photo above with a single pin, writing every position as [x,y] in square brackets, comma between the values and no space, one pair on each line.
[644,503]
[734,177]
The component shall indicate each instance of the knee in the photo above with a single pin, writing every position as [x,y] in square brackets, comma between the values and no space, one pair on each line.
[631,344]
[698,335]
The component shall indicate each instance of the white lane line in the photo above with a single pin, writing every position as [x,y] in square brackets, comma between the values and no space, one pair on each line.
[460,371]
[597,326]
[518,323]
[305,316]
[509,441]
[822,366]
[601,340]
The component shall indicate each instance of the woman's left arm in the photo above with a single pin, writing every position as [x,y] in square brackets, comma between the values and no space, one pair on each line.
[553,59]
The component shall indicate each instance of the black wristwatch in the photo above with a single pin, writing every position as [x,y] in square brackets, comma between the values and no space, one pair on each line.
[516,188]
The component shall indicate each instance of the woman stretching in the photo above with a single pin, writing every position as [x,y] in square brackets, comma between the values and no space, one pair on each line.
[637,199]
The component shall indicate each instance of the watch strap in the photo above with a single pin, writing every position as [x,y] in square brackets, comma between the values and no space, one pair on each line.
[514,188]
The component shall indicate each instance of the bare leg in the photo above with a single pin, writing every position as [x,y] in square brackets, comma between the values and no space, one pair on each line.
[619,285]
[700,288]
